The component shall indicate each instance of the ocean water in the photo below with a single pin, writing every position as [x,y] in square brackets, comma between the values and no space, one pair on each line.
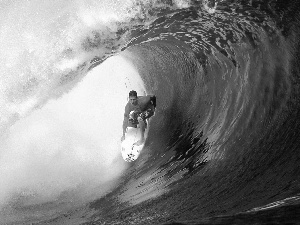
[223,146]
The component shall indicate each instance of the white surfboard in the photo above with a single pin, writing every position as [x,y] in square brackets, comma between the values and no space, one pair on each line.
[130,151]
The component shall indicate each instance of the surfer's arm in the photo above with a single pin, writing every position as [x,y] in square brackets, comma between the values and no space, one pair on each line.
[153,100]
[125,120]
[150,111]
[125,123]
[151,107]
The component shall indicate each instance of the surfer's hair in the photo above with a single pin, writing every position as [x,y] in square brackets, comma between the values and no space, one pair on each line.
[133,93]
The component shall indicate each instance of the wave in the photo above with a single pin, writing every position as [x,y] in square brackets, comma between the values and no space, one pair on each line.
[223,140]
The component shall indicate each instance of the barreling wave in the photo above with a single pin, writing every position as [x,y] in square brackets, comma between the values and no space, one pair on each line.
[223,139]
[224,89]
[206,74]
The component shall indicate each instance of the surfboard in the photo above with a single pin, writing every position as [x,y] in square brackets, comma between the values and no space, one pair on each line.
[130,151]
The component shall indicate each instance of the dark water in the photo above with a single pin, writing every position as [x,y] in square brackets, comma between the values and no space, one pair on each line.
[224,143]
[224,146]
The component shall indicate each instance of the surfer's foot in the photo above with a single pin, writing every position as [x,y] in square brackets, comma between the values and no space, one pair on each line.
[140,141]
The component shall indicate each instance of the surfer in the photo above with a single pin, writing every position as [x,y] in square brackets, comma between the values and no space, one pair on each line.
[137,110]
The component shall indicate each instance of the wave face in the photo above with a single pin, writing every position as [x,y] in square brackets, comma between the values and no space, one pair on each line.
[223,145]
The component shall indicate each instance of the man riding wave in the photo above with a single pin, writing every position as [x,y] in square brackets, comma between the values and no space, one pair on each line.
[137,111]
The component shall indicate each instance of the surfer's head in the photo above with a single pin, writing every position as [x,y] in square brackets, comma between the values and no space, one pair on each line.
[133,97]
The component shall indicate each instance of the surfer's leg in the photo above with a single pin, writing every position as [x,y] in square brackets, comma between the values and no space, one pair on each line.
[142,126]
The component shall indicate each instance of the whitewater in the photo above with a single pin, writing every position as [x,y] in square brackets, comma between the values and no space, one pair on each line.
[222,147]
